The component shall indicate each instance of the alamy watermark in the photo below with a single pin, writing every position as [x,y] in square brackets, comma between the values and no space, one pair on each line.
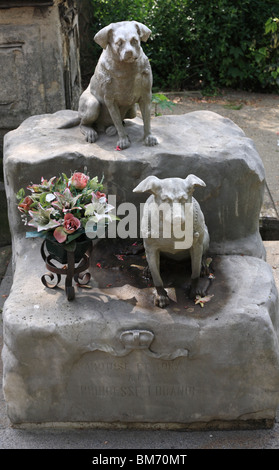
[172,221]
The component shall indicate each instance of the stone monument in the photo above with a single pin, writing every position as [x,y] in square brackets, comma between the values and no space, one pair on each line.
[111,357]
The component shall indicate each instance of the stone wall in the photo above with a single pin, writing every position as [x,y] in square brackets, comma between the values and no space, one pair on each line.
[40,73]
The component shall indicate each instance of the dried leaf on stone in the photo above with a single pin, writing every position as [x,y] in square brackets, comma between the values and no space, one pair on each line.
[202,300]
[141,268]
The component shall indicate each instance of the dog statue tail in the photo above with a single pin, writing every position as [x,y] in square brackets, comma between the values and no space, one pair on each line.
[71,123]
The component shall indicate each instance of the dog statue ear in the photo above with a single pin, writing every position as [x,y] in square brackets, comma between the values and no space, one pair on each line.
[102,37]
[143,31]
[151,184]
[192,181]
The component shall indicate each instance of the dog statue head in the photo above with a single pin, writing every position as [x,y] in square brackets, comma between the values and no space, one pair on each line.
[171,199]
[124,39]
[170,189]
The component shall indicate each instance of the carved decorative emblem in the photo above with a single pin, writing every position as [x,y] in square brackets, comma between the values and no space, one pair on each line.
[137,339]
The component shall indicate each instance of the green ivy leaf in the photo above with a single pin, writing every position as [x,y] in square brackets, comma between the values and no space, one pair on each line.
[20,194]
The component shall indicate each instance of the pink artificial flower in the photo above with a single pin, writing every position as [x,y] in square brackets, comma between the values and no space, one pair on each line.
[99,195]
[71,223]
[79,180]
[24,206]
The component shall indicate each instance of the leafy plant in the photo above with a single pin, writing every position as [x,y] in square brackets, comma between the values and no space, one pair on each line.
[160,100]
[233,106]
[267,56]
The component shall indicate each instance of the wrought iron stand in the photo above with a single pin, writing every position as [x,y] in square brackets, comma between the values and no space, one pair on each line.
[69,270]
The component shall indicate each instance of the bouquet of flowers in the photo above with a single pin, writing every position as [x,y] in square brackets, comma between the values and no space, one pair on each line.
[61,207]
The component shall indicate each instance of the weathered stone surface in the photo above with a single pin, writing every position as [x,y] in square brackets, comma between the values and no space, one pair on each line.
[203,143]
[39,60]
[39,57]
[111,357]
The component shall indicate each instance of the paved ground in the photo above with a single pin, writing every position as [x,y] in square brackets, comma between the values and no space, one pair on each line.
[258,116]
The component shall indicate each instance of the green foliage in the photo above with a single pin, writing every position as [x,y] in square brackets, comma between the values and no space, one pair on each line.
[160,100]
[201,43]
[267,57]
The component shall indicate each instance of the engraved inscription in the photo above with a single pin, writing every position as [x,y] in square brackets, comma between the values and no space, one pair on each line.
[137,391]
[131,378]
[134,387]
[106,366]
[102,366]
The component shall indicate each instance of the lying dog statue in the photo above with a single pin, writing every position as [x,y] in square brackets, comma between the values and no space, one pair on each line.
[122,79]
[173,223]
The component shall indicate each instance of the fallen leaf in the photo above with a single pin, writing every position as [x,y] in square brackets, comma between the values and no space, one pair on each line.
[202,300]
[137,266]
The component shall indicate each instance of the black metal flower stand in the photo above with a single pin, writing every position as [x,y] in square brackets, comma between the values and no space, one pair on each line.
[70,270]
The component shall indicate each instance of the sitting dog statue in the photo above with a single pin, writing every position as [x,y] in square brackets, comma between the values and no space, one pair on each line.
[174,224]
[122,79]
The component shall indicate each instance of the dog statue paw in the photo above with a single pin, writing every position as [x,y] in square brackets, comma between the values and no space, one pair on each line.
[124,143]
[161,301]
[90,134]
[150,141]
[199,286]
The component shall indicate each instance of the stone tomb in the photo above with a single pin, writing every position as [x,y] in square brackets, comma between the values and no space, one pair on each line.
[110,358]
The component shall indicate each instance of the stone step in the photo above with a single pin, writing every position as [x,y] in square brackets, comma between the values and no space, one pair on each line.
[110,356]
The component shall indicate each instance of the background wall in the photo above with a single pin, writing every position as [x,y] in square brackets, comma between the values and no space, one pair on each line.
[39,63]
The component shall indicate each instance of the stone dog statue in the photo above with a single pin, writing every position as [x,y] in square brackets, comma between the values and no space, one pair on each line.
[178,229]
[122,79]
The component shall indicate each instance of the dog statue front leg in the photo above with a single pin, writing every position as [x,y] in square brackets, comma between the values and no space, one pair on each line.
[199,285]
[153,259]
[145,108]
[124,141]
[89,109]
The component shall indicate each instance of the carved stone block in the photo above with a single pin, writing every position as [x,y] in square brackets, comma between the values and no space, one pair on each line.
[110,357]
[202,143]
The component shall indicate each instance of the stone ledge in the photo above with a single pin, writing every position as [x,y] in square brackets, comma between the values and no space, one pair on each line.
[65,362]
[206,426]
[201,142]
